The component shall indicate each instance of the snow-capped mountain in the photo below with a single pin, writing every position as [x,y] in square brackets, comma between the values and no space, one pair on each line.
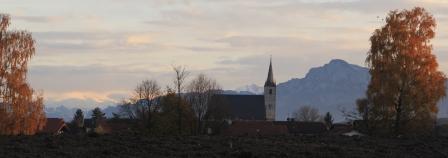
[252,88]
[60,112]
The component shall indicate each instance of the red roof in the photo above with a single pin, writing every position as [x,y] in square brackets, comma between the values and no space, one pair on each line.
[254,128]
[54,125]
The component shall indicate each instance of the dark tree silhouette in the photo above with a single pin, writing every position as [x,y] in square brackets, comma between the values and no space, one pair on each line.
[328,120]
[165,121]
[200,92]
[307,114]
[146,95]
[179,80]
[78,119]
[98,116]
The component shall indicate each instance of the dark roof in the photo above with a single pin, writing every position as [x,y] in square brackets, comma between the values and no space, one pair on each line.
[270,81]
[340,128]
[243,107]
[54,125]
[255,128]
[303,127]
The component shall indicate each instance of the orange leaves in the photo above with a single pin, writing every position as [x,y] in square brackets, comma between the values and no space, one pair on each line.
[405,84]
[21,111]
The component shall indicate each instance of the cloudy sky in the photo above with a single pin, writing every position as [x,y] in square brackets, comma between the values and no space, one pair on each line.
[98,51]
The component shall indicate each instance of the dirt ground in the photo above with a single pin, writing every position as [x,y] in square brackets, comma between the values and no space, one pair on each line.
[138,145]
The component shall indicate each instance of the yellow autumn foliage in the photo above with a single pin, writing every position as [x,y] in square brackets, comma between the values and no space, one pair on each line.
[21,110]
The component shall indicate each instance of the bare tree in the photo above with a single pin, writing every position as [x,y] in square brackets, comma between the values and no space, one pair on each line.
[307,114]
[179,80]
[200,92]
[146,94]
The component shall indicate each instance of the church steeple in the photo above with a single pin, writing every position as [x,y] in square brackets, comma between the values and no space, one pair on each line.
[270,81]
[270,91]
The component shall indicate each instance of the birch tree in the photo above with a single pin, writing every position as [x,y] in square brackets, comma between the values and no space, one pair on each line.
[21,109]
[405,83]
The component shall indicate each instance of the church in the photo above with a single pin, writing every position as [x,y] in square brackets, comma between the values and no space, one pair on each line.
[252,107]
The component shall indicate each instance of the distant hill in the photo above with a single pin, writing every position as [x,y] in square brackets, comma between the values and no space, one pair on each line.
[330,88]
[234,92]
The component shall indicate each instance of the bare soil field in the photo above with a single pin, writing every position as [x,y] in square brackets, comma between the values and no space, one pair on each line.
[139,145]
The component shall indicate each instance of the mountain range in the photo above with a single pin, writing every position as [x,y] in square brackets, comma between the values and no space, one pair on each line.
[333,87]
[67,113]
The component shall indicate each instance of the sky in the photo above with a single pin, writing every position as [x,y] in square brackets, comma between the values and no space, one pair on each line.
[93,53]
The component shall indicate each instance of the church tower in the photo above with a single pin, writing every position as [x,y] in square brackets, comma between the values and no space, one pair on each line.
[270,94]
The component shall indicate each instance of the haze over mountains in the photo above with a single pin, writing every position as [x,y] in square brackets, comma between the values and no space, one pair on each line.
[332,88]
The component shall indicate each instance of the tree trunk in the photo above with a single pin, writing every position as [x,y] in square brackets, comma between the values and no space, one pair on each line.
[179,112]
[199,126]
[148,119]
[398,109]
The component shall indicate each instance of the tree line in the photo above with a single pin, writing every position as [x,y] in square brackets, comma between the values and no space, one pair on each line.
[177,109]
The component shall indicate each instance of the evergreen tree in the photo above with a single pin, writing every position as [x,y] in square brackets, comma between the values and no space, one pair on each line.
[78,119]
[328,120]
[98,116]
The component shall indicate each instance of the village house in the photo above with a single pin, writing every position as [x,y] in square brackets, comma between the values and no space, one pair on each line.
[55,126]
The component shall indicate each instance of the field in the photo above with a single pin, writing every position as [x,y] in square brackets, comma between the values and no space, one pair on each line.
[138,145]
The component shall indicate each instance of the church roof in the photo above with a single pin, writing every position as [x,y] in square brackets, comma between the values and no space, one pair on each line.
[243,107]
[270,81]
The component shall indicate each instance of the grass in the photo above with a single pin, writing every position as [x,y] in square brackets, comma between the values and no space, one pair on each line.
[139,145]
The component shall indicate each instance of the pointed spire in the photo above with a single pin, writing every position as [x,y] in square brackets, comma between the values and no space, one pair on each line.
[270,82]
